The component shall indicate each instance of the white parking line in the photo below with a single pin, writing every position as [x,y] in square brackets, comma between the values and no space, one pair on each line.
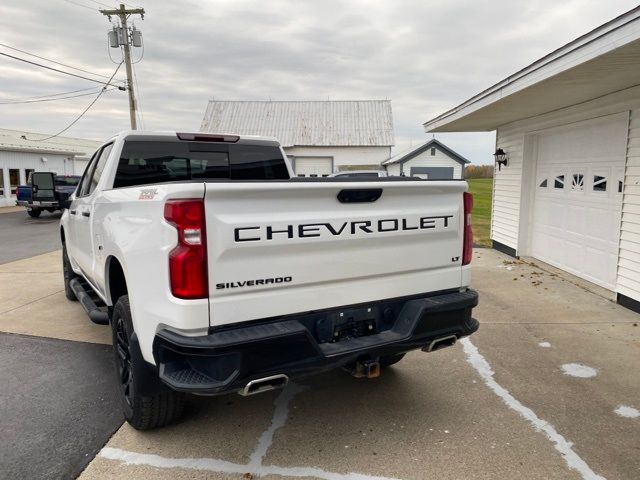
[573,460]
[280,416]
[255,465]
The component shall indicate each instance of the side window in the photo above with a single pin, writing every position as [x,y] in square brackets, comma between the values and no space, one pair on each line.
[84,182]
[99,168]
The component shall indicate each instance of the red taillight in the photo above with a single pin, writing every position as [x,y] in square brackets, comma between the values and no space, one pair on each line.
[467,245]
[188,260]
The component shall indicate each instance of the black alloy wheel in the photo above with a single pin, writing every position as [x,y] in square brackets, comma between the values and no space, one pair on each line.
[125,370]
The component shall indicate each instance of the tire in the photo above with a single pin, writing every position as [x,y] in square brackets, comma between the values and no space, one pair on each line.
[34,212]
[68,274]
[146,402]
[391,360]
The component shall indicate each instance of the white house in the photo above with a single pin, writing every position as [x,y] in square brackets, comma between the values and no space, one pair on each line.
[430,159]
[570,126]
[23,152]
[320,137]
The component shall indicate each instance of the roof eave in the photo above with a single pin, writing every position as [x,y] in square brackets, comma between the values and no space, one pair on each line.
[9,148]
[603,39]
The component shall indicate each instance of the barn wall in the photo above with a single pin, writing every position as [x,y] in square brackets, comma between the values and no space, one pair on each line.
[362,157]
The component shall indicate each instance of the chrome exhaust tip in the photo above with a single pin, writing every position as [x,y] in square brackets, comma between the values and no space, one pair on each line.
[441,342]
[265,384]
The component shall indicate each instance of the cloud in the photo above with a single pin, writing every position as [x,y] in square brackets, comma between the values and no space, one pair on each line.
[425,56]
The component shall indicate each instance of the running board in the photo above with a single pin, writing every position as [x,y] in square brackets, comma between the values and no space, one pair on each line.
[95,314]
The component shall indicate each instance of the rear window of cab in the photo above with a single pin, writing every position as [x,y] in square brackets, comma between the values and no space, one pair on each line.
[151,162]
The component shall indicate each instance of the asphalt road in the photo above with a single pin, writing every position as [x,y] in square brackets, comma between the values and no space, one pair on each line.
[58,405]
[22,236]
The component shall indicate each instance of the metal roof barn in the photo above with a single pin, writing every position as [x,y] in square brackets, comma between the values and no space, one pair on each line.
[305,123]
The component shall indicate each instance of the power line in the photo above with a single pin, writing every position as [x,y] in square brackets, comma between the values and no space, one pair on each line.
[80,5]
[100,3]
[52,61]
[83,112]
[53,99]
[20,99]
[59,71]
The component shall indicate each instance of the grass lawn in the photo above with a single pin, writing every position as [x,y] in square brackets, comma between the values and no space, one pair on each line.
[481,188]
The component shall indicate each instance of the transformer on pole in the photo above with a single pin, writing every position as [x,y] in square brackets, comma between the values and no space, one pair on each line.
[125,37]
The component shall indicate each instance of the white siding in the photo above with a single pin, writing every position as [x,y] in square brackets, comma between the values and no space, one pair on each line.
[393,169]
[512,185]
[506,188]
[370,157]
[629,256]
[425,159]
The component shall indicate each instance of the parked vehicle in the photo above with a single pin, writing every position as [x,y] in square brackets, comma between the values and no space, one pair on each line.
[219,273]
[360,174]
[46,191]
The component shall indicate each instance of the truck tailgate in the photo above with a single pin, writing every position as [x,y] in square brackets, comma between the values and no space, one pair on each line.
[278,248]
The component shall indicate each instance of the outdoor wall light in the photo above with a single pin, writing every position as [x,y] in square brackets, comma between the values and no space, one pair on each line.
[501,158]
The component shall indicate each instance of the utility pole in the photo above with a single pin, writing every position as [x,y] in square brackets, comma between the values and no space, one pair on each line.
[122,37]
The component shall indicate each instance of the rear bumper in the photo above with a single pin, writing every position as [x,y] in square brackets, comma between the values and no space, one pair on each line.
[227,360]
[37,204]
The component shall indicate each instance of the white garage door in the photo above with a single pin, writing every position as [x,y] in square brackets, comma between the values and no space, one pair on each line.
[578,198]
[313,166]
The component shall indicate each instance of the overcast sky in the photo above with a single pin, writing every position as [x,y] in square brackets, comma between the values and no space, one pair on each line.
[425,55]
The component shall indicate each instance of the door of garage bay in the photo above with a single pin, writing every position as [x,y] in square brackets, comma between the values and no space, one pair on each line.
[578,198]
[313,166]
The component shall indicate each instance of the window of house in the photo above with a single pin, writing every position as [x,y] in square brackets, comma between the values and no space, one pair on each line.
[433,151]
[543,183]
[27,174]
[1,182]
[559,182]
[14,179]
[577,182]
[599,183]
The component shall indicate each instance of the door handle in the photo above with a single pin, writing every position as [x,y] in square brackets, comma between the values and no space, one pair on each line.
[72,212]
[86,214]
[356,195]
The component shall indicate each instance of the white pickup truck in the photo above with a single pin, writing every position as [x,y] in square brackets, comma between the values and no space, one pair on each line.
[218,272]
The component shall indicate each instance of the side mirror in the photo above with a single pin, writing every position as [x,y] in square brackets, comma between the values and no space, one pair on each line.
[66,204]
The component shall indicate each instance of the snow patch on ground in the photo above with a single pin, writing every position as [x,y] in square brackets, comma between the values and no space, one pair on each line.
[627,412]
[544,345]
[578,370]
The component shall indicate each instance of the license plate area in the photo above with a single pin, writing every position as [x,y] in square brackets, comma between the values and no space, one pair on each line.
[348,323]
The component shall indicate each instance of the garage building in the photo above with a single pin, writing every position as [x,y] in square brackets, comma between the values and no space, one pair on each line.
[569,125]
[24,152]
[320,137]
[430,160]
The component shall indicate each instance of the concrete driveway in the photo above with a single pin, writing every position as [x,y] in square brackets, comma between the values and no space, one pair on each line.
[548,388]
